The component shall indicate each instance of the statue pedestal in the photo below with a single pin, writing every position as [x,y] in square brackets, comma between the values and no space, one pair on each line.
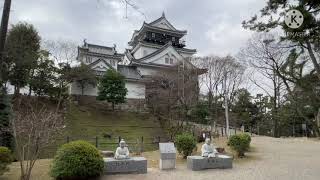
[197,163]
[167,156]
[137,165]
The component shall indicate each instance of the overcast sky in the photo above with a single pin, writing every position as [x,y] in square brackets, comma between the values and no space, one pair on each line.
[214,26]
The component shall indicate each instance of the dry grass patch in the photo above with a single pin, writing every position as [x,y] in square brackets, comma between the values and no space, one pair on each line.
[39,172]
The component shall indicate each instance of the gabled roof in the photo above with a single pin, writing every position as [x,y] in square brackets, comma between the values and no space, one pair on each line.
[164,20]
[156,52]
[98,61]
[147,60]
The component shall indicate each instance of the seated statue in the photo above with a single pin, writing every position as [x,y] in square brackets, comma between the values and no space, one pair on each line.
[207,149]
[122,151]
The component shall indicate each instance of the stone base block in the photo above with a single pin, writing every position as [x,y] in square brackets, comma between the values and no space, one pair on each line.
[107,153]
[137,165]
[197,163]
[167,164]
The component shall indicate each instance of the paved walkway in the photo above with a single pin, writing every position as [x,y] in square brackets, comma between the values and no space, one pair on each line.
[270,159]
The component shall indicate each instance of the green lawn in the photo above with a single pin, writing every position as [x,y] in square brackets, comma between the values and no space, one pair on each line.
[89,122]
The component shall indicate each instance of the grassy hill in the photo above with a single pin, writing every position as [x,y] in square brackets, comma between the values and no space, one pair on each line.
[92,123]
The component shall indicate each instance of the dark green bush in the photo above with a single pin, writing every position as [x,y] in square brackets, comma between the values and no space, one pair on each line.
[240,143]
[185,144]
[77,160]
[247,137]
[5,159]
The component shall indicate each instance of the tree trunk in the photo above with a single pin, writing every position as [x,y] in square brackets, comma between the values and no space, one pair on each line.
[313,58]
[226,105]
[16,90]
[30,90]
[82,90]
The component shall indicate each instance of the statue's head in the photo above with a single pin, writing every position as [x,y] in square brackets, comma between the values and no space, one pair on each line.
[122,143]
[208,141]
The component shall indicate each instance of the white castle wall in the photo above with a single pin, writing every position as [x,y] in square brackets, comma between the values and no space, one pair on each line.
[135,90]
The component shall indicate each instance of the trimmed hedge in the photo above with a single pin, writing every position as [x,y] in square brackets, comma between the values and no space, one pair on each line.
[77,160]
[240,143]
[5,159]
[185,144]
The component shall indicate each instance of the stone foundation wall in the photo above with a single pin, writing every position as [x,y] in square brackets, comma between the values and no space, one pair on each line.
[136,105]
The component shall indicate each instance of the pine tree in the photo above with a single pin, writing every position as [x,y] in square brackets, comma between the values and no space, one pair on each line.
[112,88]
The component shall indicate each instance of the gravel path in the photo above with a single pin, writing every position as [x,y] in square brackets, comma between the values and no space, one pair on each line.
[270,159]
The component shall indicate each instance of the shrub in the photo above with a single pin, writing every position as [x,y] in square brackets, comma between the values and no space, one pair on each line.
[240,143]
[77,160]
[247,137]
[5,159]
[185,144]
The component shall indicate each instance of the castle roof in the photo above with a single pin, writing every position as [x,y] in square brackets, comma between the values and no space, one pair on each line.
[161,25]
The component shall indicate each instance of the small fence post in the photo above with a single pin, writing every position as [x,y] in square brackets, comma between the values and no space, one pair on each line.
[96,141]
[141,145]
[222,131]
[235,130]
[158,139]
[68,139]
[171,137]
[119,139]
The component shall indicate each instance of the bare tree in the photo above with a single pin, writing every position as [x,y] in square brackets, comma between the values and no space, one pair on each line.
[62,51]
[211,80]
[64,54]
[171,93]
[266,56]
[222,78]
[279,63]
[232,76]
[34,127]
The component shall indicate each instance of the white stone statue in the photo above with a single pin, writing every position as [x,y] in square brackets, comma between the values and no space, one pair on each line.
[122,151]
[208,150]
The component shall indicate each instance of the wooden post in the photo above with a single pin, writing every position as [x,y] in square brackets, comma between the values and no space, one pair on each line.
[3,31]
[141,145]
[119,139]
[158,139]
[235,130]
[222,131]
[96,141]
[68,139]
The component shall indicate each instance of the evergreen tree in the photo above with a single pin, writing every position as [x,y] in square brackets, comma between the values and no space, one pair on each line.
[6,138]
[22,47]
[112,88]
[83,75]
[42,82]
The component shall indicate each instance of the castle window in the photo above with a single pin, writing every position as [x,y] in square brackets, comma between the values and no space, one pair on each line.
[153,35]
[166,60]
[171,60]
[88,59]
